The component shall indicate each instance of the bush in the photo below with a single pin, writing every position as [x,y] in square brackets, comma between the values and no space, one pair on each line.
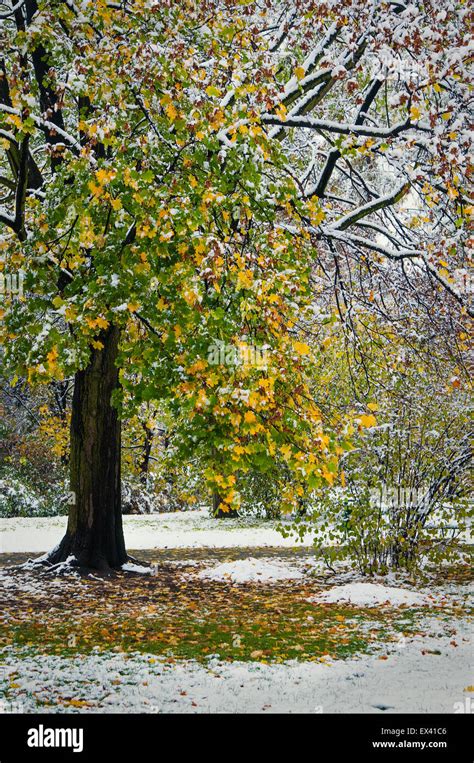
[406,498]
[18,499]
[137,499]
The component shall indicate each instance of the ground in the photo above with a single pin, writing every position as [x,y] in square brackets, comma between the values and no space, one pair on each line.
[232,617]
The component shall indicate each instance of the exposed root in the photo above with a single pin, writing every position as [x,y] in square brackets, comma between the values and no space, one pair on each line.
[48,565]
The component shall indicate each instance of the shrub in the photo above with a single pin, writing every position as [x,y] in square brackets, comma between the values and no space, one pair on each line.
[406,498]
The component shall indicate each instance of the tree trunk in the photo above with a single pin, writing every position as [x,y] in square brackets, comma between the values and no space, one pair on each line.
[145,461]
[217,512]
[94,535]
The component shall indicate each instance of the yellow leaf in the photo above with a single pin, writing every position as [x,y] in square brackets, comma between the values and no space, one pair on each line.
[244,279]
[372,406]
[235,418]
[300,72]
[96,190]
[318,216]
[301,348]
[171,112]
[281,111]
[367,420]
[213,91]
[101,322]
[328,476]
[77,703]
[15,119]
[105,176]
[52,356]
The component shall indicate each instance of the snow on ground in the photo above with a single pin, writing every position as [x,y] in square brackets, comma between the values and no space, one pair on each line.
[345,586]
[252,570]
[408,679]
[372,595]
[423,674]
[187,529]
[138,568]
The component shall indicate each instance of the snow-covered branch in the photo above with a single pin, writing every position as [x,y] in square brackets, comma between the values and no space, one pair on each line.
[12,11]
[342,128]
[6,218]
[373,206]
[45,125]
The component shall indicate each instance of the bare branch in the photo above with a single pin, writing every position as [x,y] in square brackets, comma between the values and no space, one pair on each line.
[12,11]
[373,206]
[342,128]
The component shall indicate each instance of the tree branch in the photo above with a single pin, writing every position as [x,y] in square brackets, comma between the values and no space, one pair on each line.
[373,206]
[46,124]
[341,128]
[21,187]
[12,11]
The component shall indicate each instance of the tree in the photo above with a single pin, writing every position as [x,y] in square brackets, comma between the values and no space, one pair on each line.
[168,184]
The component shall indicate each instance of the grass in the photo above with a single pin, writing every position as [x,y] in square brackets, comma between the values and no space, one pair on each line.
[177,617]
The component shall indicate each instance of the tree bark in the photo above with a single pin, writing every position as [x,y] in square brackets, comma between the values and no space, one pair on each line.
[94,535]
[145,461]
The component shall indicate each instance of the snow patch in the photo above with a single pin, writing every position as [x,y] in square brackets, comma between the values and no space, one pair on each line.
[139,568]
[252,570]
[371,595]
